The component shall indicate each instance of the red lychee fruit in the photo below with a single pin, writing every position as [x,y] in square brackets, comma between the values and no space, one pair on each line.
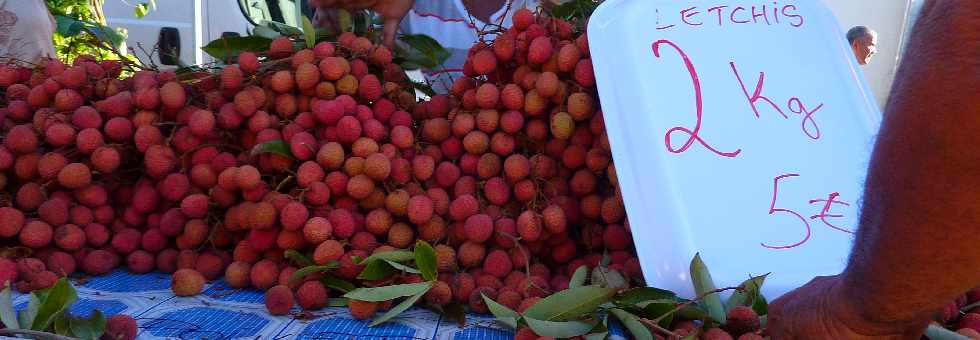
[264,274]
[484,62]
[312,295]
[11,221]
[36,234]
[140,262]
[540,50]
[61,263]
[280,47]
[99,262]
[279,300]
[497,263]
[362,310]
[479,228]
[187,282]
[69,237]
[106,159]
[120,327]
[742,320]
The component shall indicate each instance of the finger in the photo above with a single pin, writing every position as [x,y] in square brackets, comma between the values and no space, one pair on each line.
[390,28]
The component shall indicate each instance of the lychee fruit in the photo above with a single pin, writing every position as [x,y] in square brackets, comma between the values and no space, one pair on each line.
[61,263]
[280,47]
[264,274]
[742,320]
[69,237]
[36,234]
[120,327]
[187,282]
[362,310]
[99,262]
[440,294]
[140,262]
[497,263]
[279,300]
[172,95]
[716,334]
[312,295]
[479,228]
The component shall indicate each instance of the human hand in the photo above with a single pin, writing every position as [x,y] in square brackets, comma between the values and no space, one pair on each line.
[392,11]
[819,310]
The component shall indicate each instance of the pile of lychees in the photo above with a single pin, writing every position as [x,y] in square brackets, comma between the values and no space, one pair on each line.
[324,151]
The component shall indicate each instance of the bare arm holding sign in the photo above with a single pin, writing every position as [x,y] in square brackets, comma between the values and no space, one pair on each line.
[917,246]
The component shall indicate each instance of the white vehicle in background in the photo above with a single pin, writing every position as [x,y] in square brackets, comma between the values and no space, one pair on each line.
[180,28]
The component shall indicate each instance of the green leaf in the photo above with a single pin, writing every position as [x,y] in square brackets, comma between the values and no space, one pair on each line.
[606,260]
[303,272]
[570,303]
[574,9]
[503,314]
[633,324]
[282,28]
[602,327]
[60,296]
[376,270]
[309,33]
[746,294]
[115,37]
[606,277]
[344,20]
[640,294]
[67,26]
[578,278]
[693,312]
[141,10]
[937,332]
[336,302]
[336,283]
[399,255]
[401,307]
[657,308]
[402,267]
[298,258]
[7,314]
[425,259]
[388,292]
[27,316]
[91,328]
[230,47]
[704,284]
[62,326]
[278,147]
[265,32]
[761,306]
[425,51]
[559,329]
[597,336]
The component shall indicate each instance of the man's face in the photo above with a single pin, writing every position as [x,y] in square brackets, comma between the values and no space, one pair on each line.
[865,48]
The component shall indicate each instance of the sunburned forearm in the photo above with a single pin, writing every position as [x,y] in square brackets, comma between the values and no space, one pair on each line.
[919,242]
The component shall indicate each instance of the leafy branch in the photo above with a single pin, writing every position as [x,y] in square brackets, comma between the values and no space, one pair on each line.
[384,264]
[47,317]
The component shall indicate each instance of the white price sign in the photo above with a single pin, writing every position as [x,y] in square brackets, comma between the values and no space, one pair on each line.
[740,129]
